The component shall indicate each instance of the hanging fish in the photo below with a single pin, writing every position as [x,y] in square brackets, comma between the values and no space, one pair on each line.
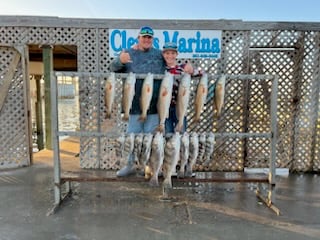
[138,146]
[182,100]
[164,99]
[110,87]
[201,96]
[219,94]
[128,144]
[209,149]
[128,94]
[156,158]
[171,158]
[193,153]
[146,95]
[202,147]
[120,145]
[184,154]
[145,150]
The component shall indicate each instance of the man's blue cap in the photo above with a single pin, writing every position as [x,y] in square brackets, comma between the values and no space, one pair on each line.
[146,31]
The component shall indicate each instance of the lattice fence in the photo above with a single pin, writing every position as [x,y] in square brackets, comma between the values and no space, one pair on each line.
[292,55]
[14,145]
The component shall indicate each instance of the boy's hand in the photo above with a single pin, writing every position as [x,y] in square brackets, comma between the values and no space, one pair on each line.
[188,68]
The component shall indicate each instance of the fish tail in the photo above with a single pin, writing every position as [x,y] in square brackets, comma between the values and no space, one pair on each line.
[142,117]
[178,128]
[197,119]
[188,172]
[125,118]
[181,174]
[154,182]
[167,183]
[160,128]
[108,115]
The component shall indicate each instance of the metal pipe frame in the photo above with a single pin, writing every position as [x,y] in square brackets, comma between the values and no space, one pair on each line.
[58,181]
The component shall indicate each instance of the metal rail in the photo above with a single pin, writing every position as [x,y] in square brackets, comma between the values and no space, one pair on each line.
[60,180]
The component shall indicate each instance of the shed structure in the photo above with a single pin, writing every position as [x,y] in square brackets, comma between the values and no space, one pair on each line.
[289,50]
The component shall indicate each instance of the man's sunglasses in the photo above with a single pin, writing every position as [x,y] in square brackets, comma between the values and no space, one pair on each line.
[146,31]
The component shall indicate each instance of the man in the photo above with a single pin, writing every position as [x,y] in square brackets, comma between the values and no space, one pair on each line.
[143,58]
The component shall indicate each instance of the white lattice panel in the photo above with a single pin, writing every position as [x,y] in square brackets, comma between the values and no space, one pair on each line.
[13,126]
[298,100]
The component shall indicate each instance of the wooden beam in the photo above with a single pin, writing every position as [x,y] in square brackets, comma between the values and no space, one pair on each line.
[6,83]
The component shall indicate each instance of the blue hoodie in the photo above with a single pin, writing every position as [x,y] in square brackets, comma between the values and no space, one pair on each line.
[150,61]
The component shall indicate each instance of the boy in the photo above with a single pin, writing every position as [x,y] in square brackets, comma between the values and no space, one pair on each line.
[170,53]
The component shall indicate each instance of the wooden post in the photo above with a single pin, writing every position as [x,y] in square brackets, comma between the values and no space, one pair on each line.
[47,69]
[39,120]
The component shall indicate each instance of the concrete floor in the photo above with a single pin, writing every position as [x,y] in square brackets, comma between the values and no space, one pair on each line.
[105,210]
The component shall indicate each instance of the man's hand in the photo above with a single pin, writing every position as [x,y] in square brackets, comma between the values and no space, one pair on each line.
[125,57]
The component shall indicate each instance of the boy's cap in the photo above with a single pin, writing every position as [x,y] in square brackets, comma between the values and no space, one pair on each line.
[170,46]
[146,31]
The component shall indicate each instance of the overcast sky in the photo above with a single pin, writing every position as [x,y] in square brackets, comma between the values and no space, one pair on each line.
[247,10]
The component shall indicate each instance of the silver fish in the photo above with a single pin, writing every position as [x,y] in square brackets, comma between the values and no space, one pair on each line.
[183,100]
[209,149]
[184,154]
[171,157]
[164,99]
[202,147]
[201,96]
[120,145]
[219,94]
[145,150]
[128,94]
[110,87]
[193,153]
[128,144]
[156,158]
[138,146]
[146,95]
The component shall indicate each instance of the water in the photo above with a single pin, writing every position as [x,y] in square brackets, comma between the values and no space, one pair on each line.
[68,117]
[69,114]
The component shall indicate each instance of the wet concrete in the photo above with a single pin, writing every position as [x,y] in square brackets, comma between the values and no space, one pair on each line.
[133,210]
[101,210]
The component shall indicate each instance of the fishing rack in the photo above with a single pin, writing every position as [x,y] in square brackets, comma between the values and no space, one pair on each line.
[61,179]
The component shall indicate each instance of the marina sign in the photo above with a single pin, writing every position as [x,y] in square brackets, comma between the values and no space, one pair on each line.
[191,43]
